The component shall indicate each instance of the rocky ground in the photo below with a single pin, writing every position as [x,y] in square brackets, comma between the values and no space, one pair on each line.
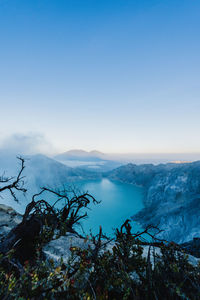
[9,218]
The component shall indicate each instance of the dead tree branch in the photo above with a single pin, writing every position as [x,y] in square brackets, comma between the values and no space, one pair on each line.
[15,183]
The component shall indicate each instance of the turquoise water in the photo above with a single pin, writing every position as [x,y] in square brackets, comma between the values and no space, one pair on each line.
[119,201]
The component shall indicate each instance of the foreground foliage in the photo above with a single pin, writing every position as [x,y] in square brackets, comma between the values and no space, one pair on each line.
[102,272]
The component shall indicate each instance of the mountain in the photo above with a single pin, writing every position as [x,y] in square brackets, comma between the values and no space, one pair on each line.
[92,160]
[39,171]
[171,197]
[80,155]
[47,171]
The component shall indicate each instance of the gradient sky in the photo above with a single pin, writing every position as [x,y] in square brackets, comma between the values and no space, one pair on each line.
[117,76]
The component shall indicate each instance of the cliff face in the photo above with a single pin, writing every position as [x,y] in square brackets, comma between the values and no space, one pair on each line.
[171,197]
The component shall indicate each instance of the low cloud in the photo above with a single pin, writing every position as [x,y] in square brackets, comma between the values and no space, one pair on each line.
[27,144]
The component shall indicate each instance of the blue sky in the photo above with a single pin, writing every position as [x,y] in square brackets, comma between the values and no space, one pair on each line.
[118,76]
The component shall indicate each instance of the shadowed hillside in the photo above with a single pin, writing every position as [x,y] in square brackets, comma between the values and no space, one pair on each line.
[171,198]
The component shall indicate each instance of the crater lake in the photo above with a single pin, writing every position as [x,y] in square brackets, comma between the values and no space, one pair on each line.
[119,201]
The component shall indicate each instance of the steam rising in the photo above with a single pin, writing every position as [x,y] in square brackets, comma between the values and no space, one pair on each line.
[26,144]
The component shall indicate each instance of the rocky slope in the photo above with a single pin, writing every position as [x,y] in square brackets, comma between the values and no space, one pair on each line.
[9,218]
[171,197]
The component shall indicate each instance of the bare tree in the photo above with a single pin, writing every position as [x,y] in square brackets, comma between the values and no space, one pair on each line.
[41,219]
[15,183]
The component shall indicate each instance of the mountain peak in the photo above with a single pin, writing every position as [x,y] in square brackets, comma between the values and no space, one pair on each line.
[79,153]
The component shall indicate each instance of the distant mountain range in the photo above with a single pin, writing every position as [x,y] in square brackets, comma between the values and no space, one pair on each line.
[81,155]
[123,158]
[92,160]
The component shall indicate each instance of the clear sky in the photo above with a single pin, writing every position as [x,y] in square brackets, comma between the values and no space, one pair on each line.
[117,76]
